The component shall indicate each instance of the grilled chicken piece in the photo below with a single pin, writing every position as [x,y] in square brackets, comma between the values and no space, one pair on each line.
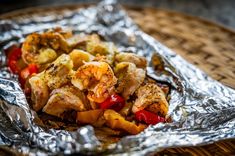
[152,98]
[93,45]
[59,72]
[80,41]
[129,78]
[103,51]
[65,99]
[56,75]
[139,61]
[39,92]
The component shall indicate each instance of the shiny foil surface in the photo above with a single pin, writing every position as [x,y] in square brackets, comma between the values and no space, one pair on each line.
[202,109]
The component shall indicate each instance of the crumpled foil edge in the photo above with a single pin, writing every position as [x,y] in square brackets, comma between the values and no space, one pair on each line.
[202,109]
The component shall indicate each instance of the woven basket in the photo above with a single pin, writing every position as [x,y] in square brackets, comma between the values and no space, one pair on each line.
[205,44]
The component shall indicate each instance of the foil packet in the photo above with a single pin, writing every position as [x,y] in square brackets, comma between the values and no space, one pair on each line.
[202,109]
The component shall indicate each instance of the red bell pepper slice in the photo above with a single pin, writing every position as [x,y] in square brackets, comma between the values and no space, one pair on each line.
[148,117]
[26,72]
[114,102]
[13,57]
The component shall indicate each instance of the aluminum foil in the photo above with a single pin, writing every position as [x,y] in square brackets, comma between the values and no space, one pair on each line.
[202,109]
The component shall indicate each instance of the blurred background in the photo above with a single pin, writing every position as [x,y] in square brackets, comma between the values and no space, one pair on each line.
[219,11]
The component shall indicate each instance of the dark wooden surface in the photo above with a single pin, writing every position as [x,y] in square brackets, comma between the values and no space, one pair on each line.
[220,11]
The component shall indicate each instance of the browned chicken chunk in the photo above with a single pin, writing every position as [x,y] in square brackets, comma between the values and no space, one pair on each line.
[59,72]
[152,98]
[65,99]
[39,92]
[129,78]
[139,61]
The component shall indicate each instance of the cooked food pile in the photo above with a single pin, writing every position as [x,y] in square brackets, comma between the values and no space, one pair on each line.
[82,79]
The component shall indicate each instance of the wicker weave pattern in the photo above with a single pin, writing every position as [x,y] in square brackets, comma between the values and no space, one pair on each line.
[208,46]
